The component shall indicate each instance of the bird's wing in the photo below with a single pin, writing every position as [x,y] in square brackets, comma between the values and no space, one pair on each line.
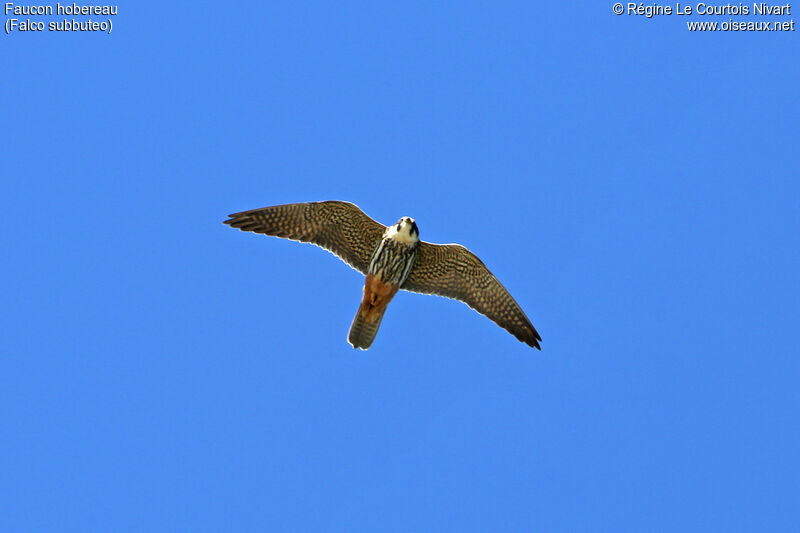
[339,227]
[453,271]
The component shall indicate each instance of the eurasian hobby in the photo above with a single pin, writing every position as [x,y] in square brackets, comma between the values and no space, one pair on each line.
[392,258]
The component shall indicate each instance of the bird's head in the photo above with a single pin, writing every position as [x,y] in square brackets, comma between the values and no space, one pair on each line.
[404,231]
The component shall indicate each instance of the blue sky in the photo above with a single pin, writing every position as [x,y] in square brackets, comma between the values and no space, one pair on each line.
[633,184]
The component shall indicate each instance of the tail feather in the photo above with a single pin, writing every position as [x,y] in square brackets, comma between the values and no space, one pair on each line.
[365,327]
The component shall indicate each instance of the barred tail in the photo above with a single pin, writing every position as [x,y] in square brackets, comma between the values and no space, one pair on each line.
[365,326]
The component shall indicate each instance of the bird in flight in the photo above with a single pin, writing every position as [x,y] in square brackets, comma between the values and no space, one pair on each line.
[391,258]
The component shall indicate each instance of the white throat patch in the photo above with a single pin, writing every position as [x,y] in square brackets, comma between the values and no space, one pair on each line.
[403,234]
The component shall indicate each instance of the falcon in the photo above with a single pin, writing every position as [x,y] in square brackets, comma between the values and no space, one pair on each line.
[391,258]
